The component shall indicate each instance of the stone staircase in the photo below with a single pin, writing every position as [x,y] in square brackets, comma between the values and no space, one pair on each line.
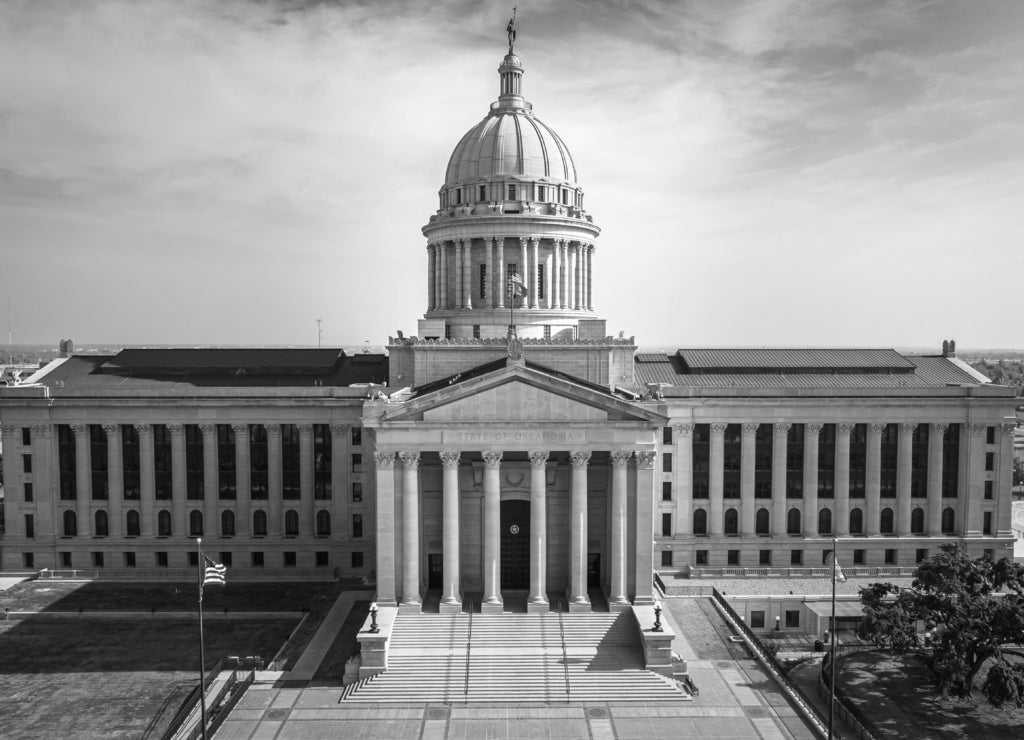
[504,658]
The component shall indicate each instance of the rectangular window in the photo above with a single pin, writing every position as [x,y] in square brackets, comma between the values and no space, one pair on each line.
[666,558]
[890,445]
[858,460]
[921,555]
[733,557]
[792,618]
[259,455]
[225,558]
[547,331]
[757,620]
[357,436]
[731,444]
[289,559]
[796,557]
[357,463]
[66,463]
[666,462]
[990,461]
[565,197]
[666,490]
[540,193]
[26,436]
[357,560]
[764,557]
[827,461]
[28,559]
[321,559]
[666,525]
[476,331]
[990,435]
[763,446]
[540,280]
[193,462]
[193,559]
[483,281]
[321,462]
[65,559]
[357,525]
[511,192]
[290,462]
[257,559]
[98,461]
[357,491]
[130,462]
[701,460]
[26,464]
[30,526]
[226,462]
[951,461]
[919,462]
[988,489]
[890,557]
[162,461]
[482,193]
[986,523]
[858,557]
[161,558]
[129,560]
[97,560]
[27,488]
[666,435]
[795,461]
[701,557]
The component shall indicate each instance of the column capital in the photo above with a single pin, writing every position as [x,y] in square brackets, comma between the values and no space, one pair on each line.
[176,430]
[645,459]
[273,430]
[579,459]
[781,428]
[939,428]
[974,428]
[524,241]
[538,459]
[683,430]
[877,427]
[718,427]
[814,428]
[489,241]
[8,430]
[535,241]
[143,429]
[112,429]
[1008,428]
[384,460]
[844,427]
[80,430]
[450,459]
[410,459]
[750,428]
[492,460]
[620,458]
[304,428]
[908,427]
[208,430]
[340,428]
[42,431]
[240,428]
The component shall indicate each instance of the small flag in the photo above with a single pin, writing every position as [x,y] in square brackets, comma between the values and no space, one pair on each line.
[214,574]
[837,572]
[516,287]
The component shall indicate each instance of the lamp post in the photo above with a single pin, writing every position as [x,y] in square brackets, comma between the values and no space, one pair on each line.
[657,617]
[373,618]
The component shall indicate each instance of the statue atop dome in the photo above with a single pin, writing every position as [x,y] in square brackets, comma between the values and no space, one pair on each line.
[511,30]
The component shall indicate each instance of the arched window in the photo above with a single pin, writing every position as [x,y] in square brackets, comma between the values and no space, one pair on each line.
[856,521]
[102,528]
[259,523]
[163,523]
[948,520]
[917,521]
[195,523]
[132,522]
[762,520]
[70,524]
[227,524]
[323,523]
[732,521]
[825,521]
[291,523]
[793,521]
[886,521]
[700,521]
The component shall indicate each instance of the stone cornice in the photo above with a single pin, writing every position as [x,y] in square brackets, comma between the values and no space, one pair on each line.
[499,342]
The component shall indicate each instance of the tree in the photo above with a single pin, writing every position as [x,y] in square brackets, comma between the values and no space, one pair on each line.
[971,610]
[1018,471]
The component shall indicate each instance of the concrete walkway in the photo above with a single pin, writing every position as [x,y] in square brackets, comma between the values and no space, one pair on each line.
[311,658]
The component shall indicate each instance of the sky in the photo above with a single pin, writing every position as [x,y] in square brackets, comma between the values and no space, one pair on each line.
[765,172]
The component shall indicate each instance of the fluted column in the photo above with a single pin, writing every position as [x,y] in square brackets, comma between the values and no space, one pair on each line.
[147,487]
[811,434]
[1004,483]
[178,473]
[841,511]
[578,599]
[275,480]
[780,444]
[748,504]
[211,482]
[936,435]
[459,296]
[590,277]
[451,597]
[305,479]
[410,529]
[492,533]
[431,266]
[44,456]
[115,479]
[535,277]
[975,478]
[644,541]
[873,481]
[538,531]
[489,262]
[620,536]
[716,479]
[243,479]
[524,270]
[385,483]
[558,290]
[442,249]
[341,490]
[83,479]
[500,257]
[684,477]
[467,273]
[550,279]
[904,460]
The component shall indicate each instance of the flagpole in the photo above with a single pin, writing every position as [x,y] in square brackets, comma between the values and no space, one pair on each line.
[202,646]
[832,681]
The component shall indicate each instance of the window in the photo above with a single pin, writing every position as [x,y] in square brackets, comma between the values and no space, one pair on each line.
[26,436]
[666,525]
[162,462]
[732,521]
[986,523]
[291,523]
[102,524]
[565,197]
[321,462]
[666,558]
[227,524]
[701,460]
[701,557]
[547,331]
[130,462]
[259,523]
[161,558]
[886,521]
[357,491]
[28,559]
[511,192]
[66,463]
[26,464]
[666,435]
[227,487]
[666,462]
[921,555]
[948,520]
[323,523]
[225,558]
[357,436]
[132,522]
[193,559]
[990,435]
[257,559]
[357,463]
[70,524]
[290,462]
[30,526]
[764,557]
[540,192]
[193,463]
[917,521]
[27,489]
[858,557]
[540,281]
[357,525]
[733,557]
[65,560]
[919,462]
[732,449]
[825,521]
[763,445]
[97,560]
[762,521]
[666,490]
[700,522]
[482,193]
[476,331]
[988,490]
[795,438]
[483,281]
[792,521]
[129,560]
[757,620]
[357,560]
[792,618]
[951,461]
[163,523]
[259,455]
[321,559]
[856,521]
[195,523]
[988,554]
[796,557]
[990,461]
[289,559]
[890,557]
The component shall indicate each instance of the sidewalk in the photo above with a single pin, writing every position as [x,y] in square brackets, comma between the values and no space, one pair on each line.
[308,663]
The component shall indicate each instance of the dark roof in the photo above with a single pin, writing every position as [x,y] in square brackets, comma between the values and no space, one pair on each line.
[253,360]
[800,360]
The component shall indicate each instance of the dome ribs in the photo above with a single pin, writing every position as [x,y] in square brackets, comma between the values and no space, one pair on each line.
[543,146]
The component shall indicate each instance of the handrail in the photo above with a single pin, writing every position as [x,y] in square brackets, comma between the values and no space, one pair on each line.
[469,648]
[565,655]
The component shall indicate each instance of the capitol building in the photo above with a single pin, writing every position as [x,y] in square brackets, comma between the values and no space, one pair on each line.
[507,450]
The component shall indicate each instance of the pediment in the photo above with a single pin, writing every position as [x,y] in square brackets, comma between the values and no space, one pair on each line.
[516,401]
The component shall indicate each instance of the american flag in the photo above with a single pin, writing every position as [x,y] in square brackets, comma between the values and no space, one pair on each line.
[837,572]
[215,573]
[516,287]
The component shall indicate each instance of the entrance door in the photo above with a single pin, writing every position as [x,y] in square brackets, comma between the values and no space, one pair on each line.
[435,571]
[515,545]
[594,570]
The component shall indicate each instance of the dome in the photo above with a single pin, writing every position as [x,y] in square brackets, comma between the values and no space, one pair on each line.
[508,143]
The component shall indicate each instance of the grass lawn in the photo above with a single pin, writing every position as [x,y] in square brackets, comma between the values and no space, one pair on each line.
[83,678]
[897,693]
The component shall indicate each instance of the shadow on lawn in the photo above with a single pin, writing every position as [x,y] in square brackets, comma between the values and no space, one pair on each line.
[899,696]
